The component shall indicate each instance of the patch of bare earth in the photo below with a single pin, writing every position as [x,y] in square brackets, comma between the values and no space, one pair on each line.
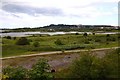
[56,61]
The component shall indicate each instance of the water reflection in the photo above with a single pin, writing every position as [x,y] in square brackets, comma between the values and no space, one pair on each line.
[23,34]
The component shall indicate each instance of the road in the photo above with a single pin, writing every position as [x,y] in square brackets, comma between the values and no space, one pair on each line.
[55,52]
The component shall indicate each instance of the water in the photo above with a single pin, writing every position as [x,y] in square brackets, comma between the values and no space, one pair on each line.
[24,34]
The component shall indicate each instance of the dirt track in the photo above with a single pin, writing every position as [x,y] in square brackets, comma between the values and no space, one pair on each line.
[57,60]
[55,52]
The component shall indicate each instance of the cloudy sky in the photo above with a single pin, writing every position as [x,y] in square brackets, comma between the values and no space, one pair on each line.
[38,13]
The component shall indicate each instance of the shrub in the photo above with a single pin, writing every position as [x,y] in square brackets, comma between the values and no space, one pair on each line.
[30,40]
[36,44]
[113,39]
[97,40]
[14,38]
[22,41]
[63,51]
[81,67]
[110,39]
[8,37]
[18,73]
[74,47]
[76,33]
[108,35]
[40,71]
[89,39]
[85,34]
[58,42]
[89,67]
[93,33]
[86,42]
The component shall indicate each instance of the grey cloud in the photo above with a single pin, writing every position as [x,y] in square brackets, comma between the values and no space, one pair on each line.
[15,15]
[13,8]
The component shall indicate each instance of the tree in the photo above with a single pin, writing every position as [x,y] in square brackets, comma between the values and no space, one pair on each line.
[23,41]
[36,44]
[40,71]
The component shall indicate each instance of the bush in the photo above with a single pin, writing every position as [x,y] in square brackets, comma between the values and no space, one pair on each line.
[40,71]
[17,73]
[63,51]
[91,67]
[113,39]
[89,39]
[108,35]
[29,40]
[8,37]
[97,40]
[86,42]
[23,41]
[85,34]
[14,38]
[110,39]
[58,42]
[74,47]
[36,44]
[76,33]
[93,33]
[81,67]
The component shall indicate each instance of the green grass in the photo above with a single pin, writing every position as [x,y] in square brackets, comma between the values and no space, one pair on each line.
[47,43]
[111,61]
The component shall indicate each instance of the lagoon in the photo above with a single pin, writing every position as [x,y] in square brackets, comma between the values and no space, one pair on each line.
[24,34]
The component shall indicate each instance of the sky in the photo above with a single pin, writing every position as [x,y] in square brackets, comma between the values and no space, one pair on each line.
[38,13]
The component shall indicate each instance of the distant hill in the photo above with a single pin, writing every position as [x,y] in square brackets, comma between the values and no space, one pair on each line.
[64,27]
[59,26]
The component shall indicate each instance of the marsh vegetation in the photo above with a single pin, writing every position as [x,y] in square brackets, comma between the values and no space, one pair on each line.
[12,46]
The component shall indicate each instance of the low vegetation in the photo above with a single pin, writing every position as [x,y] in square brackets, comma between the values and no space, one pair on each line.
[39,71]
[44,43]
[22,41]
[36,44]
[91,67]
[85,67]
